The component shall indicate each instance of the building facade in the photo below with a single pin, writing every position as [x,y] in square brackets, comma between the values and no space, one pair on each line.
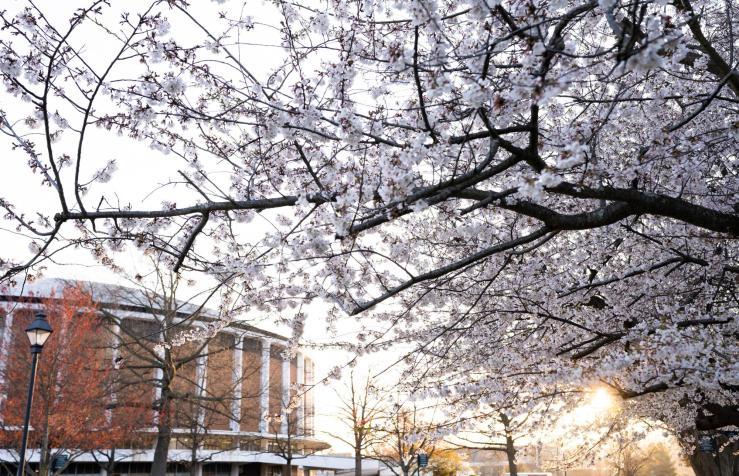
[248,400]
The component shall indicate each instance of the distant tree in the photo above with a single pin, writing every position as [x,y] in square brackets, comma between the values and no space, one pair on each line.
[659,462]
[73,398]
[629,462]
[402,434]
[446,462]
[288,441]
[197,427]
[109,458]
[359,410]
[652,460]
[211,406]
[497,433]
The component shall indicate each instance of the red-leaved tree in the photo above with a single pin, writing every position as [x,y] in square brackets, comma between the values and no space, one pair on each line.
[73,405]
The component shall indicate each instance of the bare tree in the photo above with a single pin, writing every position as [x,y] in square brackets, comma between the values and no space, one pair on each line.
[109,459]
[288,438]
[403,433]
[212,407]
[360,411]
[166,357]
[630,460]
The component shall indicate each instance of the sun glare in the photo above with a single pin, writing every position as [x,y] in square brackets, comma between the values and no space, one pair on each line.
[601,400]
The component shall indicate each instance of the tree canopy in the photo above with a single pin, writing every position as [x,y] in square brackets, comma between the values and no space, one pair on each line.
[542,194]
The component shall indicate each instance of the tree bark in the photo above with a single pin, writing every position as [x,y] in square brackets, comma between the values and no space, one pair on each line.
[45,456]
[510,447]
[161,450]
[110,467]
[725,463]
[194,458]
[357,462]
[164,434]
[510,451]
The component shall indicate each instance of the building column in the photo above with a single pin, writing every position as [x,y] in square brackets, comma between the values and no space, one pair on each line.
[201,377]
[310,372]
[115,363]
[198,467]
[103,472]
[264,386]
[234,469]
[301,395]
[285,412]
[6,330]
[238,373]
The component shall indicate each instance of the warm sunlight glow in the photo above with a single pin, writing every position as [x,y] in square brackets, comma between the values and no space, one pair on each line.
[601,400]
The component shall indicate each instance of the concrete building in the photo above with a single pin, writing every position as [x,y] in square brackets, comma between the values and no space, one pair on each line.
[250,364]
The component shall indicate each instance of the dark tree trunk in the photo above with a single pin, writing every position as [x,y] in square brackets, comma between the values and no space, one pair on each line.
[164,435]
[510,451]
[357,462]
[725,463]
[110,466]
[510,447]
[194,458]
[161,450]
[45,456]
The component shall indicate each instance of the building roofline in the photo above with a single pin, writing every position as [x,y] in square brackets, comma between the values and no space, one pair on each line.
[203,314]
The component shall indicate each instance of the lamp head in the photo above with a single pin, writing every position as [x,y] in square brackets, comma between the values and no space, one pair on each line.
[38,331]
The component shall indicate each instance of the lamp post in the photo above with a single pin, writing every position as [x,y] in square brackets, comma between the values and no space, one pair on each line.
[37,333]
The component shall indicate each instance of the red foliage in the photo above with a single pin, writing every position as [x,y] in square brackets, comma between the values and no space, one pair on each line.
[73,398]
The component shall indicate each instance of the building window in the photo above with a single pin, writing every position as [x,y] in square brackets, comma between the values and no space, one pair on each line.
[132,469]
[216,469]
[251,445]
[82,468]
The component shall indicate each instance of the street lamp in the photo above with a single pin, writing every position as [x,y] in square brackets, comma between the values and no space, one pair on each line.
[37,333]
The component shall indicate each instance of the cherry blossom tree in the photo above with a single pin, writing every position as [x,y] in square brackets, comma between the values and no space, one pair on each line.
[538,189]
[504,443]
